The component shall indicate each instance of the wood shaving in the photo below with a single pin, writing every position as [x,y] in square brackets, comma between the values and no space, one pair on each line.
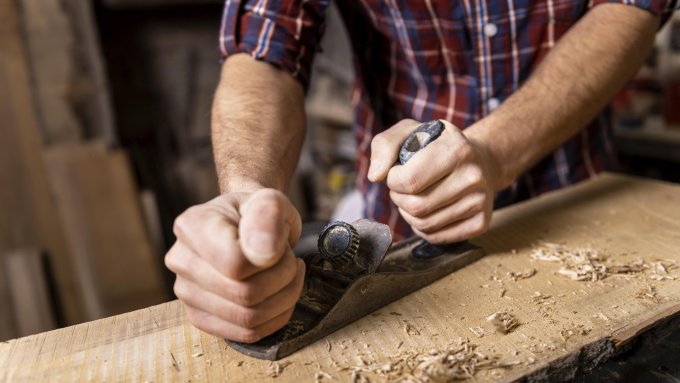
[516,276]
[455,362]
[503,322]
[197,354]
[660,270]
[321,375]
[478,331]
[409,328]
[275,369]
[583,263]
[649,293]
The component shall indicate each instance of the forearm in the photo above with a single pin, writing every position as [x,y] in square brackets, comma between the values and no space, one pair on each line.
[258,125]
[577,78]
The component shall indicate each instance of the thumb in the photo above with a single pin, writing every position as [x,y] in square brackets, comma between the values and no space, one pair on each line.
[269,225]
[385,148]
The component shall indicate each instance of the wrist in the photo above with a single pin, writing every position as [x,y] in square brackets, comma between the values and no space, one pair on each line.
[496,166]
[240,185]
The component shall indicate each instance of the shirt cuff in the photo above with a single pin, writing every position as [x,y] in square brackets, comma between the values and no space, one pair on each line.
[663,8]
[286,40]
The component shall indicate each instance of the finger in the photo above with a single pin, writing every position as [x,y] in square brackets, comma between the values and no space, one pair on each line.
[430,164]
[242,316]
[210,231]
[385,148]
[248,292]
[458,231]
[462,209]
[462,181]
[219,327]
[269,223]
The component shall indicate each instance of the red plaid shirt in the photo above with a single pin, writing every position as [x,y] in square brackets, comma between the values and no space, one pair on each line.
[431,59]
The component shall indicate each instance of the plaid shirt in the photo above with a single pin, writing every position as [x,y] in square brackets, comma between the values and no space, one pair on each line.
[431,59]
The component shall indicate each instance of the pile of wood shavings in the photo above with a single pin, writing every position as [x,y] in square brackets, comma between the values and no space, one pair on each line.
[456,362]
[503,322]
[583,263]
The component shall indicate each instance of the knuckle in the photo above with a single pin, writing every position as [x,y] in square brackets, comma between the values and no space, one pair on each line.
[245,295]
[378,141]
[247,317]
[411,184]
[414,207]
[181,290]
[474,175]
[478,226]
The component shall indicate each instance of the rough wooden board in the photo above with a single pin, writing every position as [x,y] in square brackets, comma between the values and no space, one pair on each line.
[622,217]
[28,217]
[100,208]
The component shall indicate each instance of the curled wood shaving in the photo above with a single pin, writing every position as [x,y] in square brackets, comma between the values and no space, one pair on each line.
[455,362]
[503,322]
[583,263]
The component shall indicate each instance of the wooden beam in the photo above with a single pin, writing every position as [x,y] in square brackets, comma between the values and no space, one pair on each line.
[565,326]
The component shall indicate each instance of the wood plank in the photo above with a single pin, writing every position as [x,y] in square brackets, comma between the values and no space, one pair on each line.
[99,205]
[624,218]
[25,271]
[28,217]
[70,87]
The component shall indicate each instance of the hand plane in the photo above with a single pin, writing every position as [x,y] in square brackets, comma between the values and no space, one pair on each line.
[358,270]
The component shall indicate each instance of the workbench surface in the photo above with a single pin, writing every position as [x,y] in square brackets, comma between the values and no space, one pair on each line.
[565,325]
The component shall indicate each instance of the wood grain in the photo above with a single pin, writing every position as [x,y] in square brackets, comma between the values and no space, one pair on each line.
[623,218]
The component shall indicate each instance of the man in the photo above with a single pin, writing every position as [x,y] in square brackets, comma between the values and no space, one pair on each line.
[520,86]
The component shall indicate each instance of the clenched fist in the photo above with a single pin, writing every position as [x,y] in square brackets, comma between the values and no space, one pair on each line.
[237,276]
[445,192]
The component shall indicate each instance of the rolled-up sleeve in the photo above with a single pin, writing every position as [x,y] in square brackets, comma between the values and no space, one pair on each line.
[663,8]
[285,33]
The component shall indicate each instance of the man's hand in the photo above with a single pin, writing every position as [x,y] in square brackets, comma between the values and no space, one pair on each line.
[445,192]
[236,273]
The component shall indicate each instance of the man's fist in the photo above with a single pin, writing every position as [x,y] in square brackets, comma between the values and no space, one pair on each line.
[445,192]
[237,275]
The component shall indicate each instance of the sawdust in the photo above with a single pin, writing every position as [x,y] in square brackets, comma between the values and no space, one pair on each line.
[458,361]
[503,322]
[584,263]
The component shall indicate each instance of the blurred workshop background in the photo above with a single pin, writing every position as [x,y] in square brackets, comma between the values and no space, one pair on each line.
[105,138]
